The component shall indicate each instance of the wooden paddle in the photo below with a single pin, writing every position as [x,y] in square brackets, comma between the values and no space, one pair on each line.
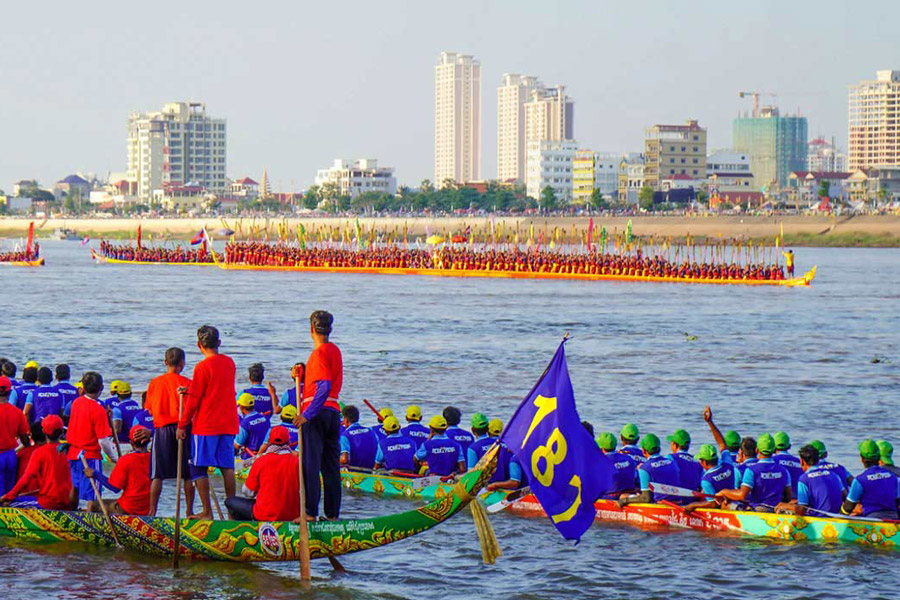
[109,521]
[178,482]
[510,499]
[305,576]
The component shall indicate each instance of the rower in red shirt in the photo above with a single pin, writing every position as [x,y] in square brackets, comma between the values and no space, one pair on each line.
[275,481]
[321,419]
[13,429]
[131,476]
[48,472]
[89,432]
[38,439]
[210,411]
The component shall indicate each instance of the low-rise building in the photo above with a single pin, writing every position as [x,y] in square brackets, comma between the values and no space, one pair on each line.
[72,186]
[823,156]
[875,185]
[594,171]
[182,198]
[803,186]
[674,150]
[631,178]
[244,189]
[549,163]
[358,177]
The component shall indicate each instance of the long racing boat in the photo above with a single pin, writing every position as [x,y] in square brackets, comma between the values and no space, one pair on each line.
[243,541]
[38,262]
[97,257]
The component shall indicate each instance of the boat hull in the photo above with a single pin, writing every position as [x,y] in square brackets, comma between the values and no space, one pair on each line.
[25,263]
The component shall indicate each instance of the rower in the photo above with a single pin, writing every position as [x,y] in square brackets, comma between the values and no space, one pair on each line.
[143,416]
[842,472]
[655,469]
[28,383]
[625,479]
[253,427]
[629,437]
[289,397]
[396,452]
[508,474]
[274,480]
[89,433]
[48,471]
[13,430]
[747,455]
[819,489]
[887,457]
[717,476]
[24,454]
[286,415]
[358,443]
[787,460]
[113,400]
[383,414]
[482,440]
[454,431]
[729,444]
[414,430]
[764,483]
[442,455]
[876,489]
[44,399]
[124,413]
[163,403]
[8,370]
[68,391]
[260,393]
[130,476]
[689,470]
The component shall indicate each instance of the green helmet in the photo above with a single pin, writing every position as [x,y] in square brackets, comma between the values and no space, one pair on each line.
[479,421]
[680,437]
[887,452]
[707,452]
[606,441]
[869,450]
[782,441]
[733,440]
[820,448]
[630,432]
[765,445]
[650,443]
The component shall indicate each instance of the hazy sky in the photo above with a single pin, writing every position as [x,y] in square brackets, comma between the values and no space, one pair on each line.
[302,83]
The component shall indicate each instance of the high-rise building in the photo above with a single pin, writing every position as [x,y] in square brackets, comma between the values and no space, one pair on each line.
[549,115]
[823,156]
[594,171]
[549,163]
[874,123]
[457,118]
[776,145]
[178,145]
[512,94]
[674,150]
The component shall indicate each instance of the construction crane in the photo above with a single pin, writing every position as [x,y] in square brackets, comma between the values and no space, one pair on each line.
[756,96]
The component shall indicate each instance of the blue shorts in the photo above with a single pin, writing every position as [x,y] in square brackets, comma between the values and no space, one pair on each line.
[82,483]
[212,451]
[9,465]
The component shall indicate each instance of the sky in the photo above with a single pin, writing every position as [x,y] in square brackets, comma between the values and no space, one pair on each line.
[303,83]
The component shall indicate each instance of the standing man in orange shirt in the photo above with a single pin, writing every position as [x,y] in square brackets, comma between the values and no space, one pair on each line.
[162,403]
[320,418]
[88,433]
[211,413]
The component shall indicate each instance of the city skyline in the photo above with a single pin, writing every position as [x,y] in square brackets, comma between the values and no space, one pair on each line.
[66,105]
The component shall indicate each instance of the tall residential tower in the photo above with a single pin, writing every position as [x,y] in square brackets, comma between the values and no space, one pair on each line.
[457,118]
[875,121]
[512,94]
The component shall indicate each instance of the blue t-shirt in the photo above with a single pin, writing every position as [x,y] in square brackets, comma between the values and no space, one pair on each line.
[718,478]
[361,444]
[252,432]
[478,448]
[442,454]
[416,432]
[625,477]
[143,417]
[659,469]
[792,465]
[289,397]
[460,436]
[44,400]
[396,451]
[125,411]
[689,470]
[262,401]
[840,470]
[877,489]
[293,436]
[634,452]
[766,480]
[820,489]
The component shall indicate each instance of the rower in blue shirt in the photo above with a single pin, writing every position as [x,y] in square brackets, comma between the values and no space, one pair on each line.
[378,430]
[746,456]
[482,441]
[656,469]
[689,470]
[729,444]
[8,370]
[841,471]
[442,455]
[253,427]
[764,483]
[113,401]
[262,397]
[44,399]
[456,433]
[68,391]
[629,437]
[876,488]
[787,460]
[414,429]
[819,489]
[289,397]
[29,381]
[124,413]
[717,476]
[287,421]
[625,478]
[358,444]
[396,452]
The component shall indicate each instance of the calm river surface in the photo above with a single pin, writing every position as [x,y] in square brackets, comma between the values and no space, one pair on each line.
[765,358]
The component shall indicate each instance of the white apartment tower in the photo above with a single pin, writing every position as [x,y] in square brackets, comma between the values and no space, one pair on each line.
[874,127]
[549,115]
[178,145]
[457,118]
[512,94]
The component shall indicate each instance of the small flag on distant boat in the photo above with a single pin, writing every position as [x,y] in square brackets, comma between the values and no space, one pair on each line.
[199,238]
[86,240]
[566,470]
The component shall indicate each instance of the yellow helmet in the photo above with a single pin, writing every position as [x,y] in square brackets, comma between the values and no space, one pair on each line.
[246,400]
[288,412]
[114,386]
[32,364]
[495,427]
[124,388]
[391,424]
[385,413]
[438,422]
[413,413]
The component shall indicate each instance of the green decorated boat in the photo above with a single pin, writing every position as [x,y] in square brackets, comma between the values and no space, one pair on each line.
[243,541]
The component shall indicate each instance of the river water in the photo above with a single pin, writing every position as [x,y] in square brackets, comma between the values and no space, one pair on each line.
[766,359]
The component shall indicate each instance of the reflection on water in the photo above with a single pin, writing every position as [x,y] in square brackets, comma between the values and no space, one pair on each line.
[766,359]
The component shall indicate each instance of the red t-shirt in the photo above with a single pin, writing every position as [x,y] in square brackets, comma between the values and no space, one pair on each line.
[48,470]
[88,424]
[24,456]
[132,475]
[211,408]
[162,398]
[276,480]
[12,424]
[325,362]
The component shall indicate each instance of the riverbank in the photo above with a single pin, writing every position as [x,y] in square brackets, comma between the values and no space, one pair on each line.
[825,231]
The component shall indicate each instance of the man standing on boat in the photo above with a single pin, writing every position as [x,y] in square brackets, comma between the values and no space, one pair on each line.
[789,262]
[209,410]
[89,433]
[320,418]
